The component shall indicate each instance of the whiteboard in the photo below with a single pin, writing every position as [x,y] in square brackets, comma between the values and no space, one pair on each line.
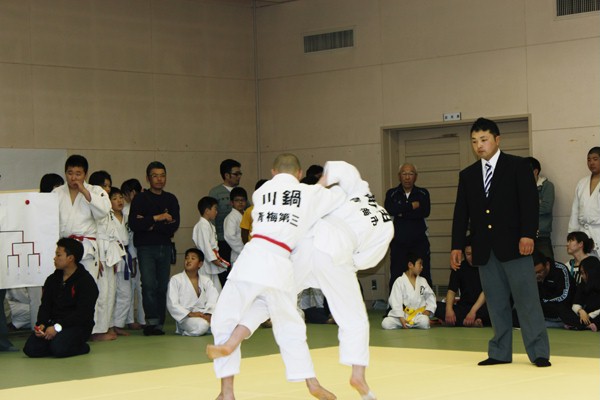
[22,169]
[29,230]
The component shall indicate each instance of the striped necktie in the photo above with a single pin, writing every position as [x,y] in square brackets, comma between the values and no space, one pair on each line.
[488,178]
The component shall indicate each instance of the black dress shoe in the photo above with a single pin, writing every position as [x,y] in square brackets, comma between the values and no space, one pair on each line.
[152,330]
[542,362]
[492,361]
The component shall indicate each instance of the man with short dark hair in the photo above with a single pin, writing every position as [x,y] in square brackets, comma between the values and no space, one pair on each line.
[497,201]
[556,287]
[154,219]
[231,173]
[66,315]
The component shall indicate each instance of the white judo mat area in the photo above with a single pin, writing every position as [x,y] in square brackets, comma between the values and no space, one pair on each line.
[394,374]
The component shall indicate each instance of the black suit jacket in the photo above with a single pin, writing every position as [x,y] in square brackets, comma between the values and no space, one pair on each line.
[499,221]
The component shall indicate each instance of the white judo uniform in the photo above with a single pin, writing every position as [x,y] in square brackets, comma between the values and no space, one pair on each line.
[409,303]
[24,304]
[123,281]
[182,299]
[79,219]
[205,239]
[262,284]
[134,314]
[354,236]
[585,212]
[111,250]
[233,233]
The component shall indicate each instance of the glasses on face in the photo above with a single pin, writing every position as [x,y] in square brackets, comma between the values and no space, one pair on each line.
[158,176]
[239,173]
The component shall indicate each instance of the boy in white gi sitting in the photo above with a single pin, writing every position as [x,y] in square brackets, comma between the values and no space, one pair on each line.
[191,297]
[412,301]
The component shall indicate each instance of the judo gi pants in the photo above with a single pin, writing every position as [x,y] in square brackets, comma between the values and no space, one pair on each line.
[250,300]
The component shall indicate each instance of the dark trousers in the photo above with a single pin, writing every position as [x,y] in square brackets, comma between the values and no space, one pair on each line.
[461,309]
[69,342]
[568,317]
[399,258]
[225,253]
[155,270]
[517,277]
[5,344]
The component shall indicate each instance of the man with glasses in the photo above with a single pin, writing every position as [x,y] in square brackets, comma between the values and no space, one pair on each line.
[232,174]
[154,218]
[409,205]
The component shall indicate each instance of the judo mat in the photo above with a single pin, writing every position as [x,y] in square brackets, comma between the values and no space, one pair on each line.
[394,373]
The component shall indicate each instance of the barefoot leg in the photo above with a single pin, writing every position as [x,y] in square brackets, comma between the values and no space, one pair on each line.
[239,333]
[318,391]
[121,331]
[226,389]
[359,382]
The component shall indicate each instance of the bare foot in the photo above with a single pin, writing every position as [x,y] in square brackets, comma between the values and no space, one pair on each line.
[214,351]
[103,337]
[362,388]
[593,327]
[478,323]
[121,331]
[135,326]
[318,391]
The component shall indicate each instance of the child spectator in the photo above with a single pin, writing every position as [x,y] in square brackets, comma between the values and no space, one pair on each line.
[135,318]
[412,301]
[246,222]
[108,257]
[192,297]
[313,304]
[231,226]
[586,304]
[470,309]
[66,315]
[580,246]
[205,238]
[123,286]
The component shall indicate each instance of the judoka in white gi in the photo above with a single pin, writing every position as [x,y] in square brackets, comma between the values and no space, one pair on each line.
[135,316]
[205,238]
[585,212]
[231,226]
[412,301]
[80,205]
[123,281]
[191,297]
[111,248]
[263,281]
[353,237]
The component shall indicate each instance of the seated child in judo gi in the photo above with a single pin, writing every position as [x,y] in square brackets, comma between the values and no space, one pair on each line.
[412,301]
[191,297]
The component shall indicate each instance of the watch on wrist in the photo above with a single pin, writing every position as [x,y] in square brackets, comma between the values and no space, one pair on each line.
[58,327]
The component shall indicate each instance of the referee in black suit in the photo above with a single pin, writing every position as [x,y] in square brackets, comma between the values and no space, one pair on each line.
[497,201]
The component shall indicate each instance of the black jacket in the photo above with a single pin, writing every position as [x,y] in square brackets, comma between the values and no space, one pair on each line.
[499,221]
[70,303]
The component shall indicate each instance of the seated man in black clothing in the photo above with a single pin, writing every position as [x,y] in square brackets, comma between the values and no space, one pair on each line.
[556,287]
[66,315]
[470,309]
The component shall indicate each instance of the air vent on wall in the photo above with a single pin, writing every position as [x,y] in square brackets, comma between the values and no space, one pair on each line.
[570,7]
[329,41]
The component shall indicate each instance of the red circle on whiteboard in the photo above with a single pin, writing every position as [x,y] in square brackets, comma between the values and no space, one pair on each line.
[26,201]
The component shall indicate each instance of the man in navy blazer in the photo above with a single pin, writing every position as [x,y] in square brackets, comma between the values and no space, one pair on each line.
[497,202]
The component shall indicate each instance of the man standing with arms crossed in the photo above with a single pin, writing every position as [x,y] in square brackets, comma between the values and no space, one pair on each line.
[154,218]
[497,198]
